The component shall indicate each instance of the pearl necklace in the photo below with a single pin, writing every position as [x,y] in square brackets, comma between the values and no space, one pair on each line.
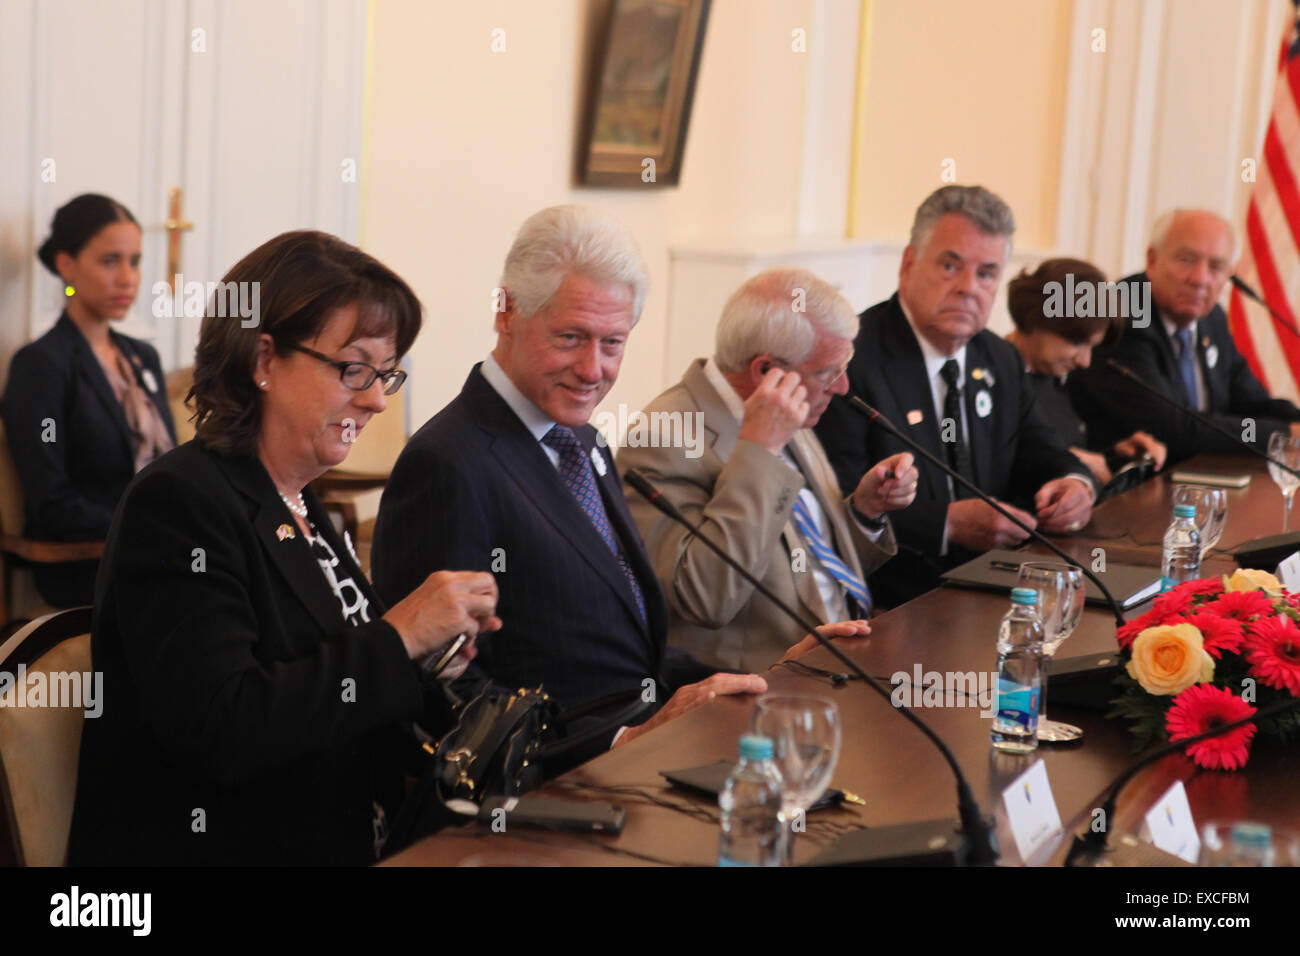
[300,509]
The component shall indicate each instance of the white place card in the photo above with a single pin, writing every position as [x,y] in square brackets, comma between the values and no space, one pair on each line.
[1171,827]
[1289,572]
[1031,810]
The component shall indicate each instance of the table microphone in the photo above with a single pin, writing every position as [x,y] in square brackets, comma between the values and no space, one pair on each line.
[876,846]
[1196,413]
[1252,294]
[875,416]
[1088,850]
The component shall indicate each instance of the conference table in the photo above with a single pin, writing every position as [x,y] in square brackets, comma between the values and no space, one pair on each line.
[899,776]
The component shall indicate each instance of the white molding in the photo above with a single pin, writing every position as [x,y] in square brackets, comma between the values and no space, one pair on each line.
[1142,125]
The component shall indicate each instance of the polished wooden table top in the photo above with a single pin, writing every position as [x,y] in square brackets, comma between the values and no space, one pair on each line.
[885,760]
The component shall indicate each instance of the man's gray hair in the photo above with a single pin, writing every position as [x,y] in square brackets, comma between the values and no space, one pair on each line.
[985,209]
[1165,221]
[563,240]
[778,313]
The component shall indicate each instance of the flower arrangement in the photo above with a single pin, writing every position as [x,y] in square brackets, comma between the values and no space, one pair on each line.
[1210,652]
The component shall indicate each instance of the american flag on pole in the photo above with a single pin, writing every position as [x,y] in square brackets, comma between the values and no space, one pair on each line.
[1271,260]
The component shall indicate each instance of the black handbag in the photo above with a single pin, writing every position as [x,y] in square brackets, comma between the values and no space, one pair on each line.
[503,744]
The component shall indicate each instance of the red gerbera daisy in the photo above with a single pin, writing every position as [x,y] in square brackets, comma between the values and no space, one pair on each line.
[1201,587]
[1204,707]
[1174,601]
[1242,605]
[1133,628]
[1273,652]
[1219,633]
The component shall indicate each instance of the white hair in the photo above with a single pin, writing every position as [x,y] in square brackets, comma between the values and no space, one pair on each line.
[564,240]
[779,312]
[1165,221]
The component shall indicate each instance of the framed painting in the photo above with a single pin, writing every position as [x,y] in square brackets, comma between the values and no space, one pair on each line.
[641,94]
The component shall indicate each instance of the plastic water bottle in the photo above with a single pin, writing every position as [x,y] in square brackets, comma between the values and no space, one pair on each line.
[751,808]
[1182,558]
[1020,674]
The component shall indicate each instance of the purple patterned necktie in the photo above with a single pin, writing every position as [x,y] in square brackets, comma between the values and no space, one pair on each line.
[575,469]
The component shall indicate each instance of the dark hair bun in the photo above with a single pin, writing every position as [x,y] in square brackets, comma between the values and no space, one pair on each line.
[78,221]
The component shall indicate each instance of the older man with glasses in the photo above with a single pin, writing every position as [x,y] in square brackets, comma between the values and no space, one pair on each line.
[761,485]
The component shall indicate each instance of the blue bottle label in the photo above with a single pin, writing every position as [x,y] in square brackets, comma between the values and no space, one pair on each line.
[1017,704]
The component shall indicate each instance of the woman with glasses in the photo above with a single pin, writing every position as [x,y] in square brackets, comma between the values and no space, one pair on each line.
[255,688]
[85,407]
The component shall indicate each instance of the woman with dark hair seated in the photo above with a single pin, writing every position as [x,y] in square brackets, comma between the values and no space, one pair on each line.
[255,690]
[1053,345]
[85,407]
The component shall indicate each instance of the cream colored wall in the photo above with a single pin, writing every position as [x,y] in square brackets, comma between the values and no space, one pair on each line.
[980,84]
[464,143]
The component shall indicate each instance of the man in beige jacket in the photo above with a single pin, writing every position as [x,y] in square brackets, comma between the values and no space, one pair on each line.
[759,481]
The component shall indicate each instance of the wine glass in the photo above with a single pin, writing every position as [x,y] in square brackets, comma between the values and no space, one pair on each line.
[1286,449]
[805,734]
[1211,512]
[1061,597]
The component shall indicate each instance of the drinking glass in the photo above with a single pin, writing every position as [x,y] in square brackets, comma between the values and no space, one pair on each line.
[1211,511]
[1061,597]
[805,734]
[1282,447]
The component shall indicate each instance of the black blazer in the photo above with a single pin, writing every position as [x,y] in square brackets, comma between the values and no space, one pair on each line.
[233,685]
[72,484]
[1114,407]
[473,490]
[1013,449]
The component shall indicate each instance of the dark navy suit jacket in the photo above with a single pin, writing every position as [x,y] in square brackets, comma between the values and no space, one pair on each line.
[473,490]
[1014,451]
[1115,407]
[72,484]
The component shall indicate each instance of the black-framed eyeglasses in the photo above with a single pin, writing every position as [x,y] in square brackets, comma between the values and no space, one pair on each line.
[358,376]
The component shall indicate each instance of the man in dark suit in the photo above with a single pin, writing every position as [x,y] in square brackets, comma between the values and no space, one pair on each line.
[509,478]
[925,360]
[1181,345]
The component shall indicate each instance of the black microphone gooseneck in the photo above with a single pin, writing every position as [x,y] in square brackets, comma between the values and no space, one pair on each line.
[876,417]
[1250,293]
[1196,413]
[978,833]
[1095,842]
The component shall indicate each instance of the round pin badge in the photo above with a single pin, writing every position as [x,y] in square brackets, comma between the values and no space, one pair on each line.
[983,403]
[150,382]
[598,460]
[1212,356]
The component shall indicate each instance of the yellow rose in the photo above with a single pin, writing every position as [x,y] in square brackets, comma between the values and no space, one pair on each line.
[1169,659]
[1248,579]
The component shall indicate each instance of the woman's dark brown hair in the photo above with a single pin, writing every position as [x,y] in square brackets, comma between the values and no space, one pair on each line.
[78,221]
[303,278]
[1027,302]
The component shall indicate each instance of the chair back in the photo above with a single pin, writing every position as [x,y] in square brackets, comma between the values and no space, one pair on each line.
[40,745]
[178,386]
[11,490]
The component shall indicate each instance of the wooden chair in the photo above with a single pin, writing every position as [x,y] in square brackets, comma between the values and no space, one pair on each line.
[178,386]
[40,746]
[17,552]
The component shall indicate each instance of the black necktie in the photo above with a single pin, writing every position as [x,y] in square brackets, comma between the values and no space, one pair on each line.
[958,450]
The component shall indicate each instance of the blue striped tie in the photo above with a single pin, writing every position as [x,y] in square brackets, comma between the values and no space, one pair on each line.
[854,585]
[575,470]
[1187,364]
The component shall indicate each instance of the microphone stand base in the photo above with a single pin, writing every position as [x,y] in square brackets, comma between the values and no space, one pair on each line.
[928,843]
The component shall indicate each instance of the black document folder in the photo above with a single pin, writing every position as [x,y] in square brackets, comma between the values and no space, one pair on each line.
[996,571]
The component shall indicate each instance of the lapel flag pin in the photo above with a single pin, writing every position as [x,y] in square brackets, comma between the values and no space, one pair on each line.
[284,531]
[914,417]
